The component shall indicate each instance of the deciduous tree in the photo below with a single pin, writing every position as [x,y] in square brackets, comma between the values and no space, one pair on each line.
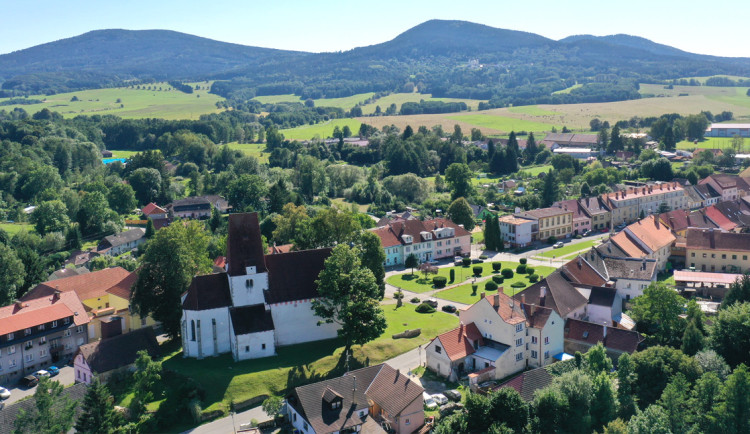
[460,213]
[52,413]
[657,312]
[12,273]
[50,216]
[730,336]
[458,176]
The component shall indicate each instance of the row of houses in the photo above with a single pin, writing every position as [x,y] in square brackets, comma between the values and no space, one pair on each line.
[428,240]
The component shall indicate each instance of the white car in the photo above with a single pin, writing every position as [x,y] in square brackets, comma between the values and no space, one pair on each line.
[429,403]
[558,245]
[41,373]
[440,398]
[4,394]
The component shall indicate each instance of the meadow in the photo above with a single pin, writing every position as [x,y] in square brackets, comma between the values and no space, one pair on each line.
[133,103]
[322,130]
[400,98]
[14,228]
[257,150]
[712,143]
[567,89]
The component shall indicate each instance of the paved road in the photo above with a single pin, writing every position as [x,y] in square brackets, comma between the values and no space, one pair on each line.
[66,377]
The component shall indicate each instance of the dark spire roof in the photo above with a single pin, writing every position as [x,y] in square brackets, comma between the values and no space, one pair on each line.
[244,246]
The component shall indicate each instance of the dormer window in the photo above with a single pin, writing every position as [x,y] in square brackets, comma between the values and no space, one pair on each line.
[332,399]
[27,332]
[249,283]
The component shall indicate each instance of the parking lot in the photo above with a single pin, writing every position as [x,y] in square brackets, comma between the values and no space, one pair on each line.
[66,377]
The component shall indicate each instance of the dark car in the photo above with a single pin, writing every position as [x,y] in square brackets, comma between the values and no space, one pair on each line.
[432,302]
[449,308]
[453,394]
[29,381]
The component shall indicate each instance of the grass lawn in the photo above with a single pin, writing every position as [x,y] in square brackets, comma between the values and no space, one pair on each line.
[257,150]
[712,143]
[569,248]
[122,154]
[477,237]
[226,381]
[462,293]
[14,228]
[503,123]
[536,170]
[322,130]
[400,98]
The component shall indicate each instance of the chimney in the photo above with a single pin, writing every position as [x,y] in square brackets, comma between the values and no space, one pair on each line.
[605,330]
[496,300]
[542,295]
[56,294]
[523,298]
[481,295]
[355,382]
[533,308]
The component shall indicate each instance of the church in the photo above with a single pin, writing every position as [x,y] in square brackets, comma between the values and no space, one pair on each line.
[258,303]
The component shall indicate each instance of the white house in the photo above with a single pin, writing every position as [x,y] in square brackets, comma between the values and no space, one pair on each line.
[261,302]
[517,231]
[122,242]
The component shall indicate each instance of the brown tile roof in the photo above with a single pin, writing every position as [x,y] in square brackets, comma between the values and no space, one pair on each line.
[698,219]
[153,208]
[602,296]
[560,295]
[593,206]
[283,248]
[107,354]
[208,292]
[536,316]
[589,332]
[122,238]
[574,206]
[651,234]
[86,286]
[579,271]
[458,343]
[677,219]
[508,309]
[722,180]
[124,288]
[388,238]
[707,239]
[734,211]
[251,319]
[244,246]
[392,390]
[529,382]
[292,276]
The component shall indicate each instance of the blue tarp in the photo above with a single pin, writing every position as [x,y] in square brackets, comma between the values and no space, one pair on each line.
[563,357]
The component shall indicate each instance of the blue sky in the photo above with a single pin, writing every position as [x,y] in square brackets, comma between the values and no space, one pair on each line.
[329,25]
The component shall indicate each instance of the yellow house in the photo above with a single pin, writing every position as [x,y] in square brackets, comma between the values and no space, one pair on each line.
[553,222]
[105,295]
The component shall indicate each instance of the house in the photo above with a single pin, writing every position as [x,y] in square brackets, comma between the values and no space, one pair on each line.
[719,219]
[728,186]
[517,231]
[369,400]
[579,272]
[392,217]
[646,238]
[481,213]
[578,153]
[629,276]
[604,304]
[581,220]
[105,295]
[9,413]
[570,140]
[708,194]
[580,336]
[556,293]
[67,272]
[104,357]
[106,154]
[694,198]
[596,209]
[552,222]
[716,251]
[36,333]
[728,130]
[429,240]
[79,258]
[117,244]
[198,207]
[498,336]
[154,211]
[676,220]
[628,205]
[258,304]
[738,212]
[527,383]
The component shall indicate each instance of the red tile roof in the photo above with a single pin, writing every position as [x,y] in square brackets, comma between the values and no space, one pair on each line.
[592,333]
[579,271]
[457,343]
[390,235]
[91,285]
[283,248]
[30,318]
[720,219]
[649,232]
[41,310]
[153,208]
[508,310]
[220,261]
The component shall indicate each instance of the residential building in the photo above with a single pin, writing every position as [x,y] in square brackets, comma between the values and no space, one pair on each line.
[731,187]
[105,295]
[553,222]
[154,211]
[738,212]
[39,332]
[581,220]
[582,335]
[715,251]
[368,400]
[596,209]
[578,153]
[429,240]
[527,383]
[117,244]
[571,140]
[198,207]
[629,276]
[67,272]
[604,304]
[517,231]
[646,238]
[10,413]
[714,214]
[676,220]
[261,302]
[556,293]
[728,130]
[104,357]
[708,195]
[627,205]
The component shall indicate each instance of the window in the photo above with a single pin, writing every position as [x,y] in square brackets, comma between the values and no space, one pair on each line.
[41,327]
[29,357]
[744,257]
[723,256]
[79,329]
[66,321]
[27,332]
[249,283]
[713,255]
[10,336]
[263,346]
[438,349]
[519,342]
[519,327]
[546,355]
[192,330]
[407,422]
[43,353]
[12,349]
[12,363]
[295,417]
[54,323]
[704,255]
[66,333]
[304,426]
[80,341]
[534,354]
[546,341]
[519,357]
[247,348]
[28,345]
[43,340]
[734,256]
[533,339]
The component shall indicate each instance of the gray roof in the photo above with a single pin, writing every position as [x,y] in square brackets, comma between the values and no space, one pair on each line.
[125,237]
[105,355]
[8,414]
[529,382]
[561,296]
[612,264]
[602,296]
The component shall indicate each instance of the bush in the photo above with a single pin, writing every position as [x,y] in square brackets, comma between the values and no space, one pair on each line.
[439,281]
[424,308]
[530,270]
[521,269]
[474,289]
[533,278]
[523,261]
[453,275]
[415,300]
[578,237]
[518,285]
[482,256]
[496,266]
[490,286]
[466,261]
[477,270]
[498,279]
[551,240]
[398,295]
[507,273]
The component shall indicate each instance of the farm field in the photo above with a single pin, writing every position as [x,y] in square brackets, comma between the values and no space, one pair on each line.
[711,143]
[226,381]
[136,103]
[504,124]
[702,80]
[345,103]
[122,154]
[257,150]
[532,110]
[322,130]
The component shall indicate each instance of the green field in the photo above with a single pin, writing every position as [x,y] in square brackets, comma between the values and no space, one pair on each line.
[275,99]
[226,381]
[536,170]
[257,150]
[712,143]
[322,130]
[567,89]
[462,293]
[532,110]
[400,98]
[505,124]
[14,228]
[122,154]
[569,248]
[136,103]
[702,80]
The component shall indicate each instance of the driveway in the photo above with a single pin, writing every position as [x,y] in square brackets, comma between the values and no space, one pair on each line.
[66,377]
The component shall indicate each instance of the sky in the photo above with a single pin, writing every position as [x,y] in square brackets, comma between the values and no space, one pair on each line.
[333,25]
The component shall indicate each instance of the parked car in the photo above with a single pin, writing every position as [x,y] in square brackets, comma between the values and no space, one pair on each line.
[429,403]
[53,370]
[558,244]
[41,373]
[588,232]
[457,259]
[29,381]
[449,308]
[477,261]
[432,302]
[453,394]
[4,394]
[440,399]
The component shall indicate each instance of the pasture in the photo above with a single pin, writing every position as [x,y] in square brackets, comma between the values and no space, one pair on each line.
[14,228]
[257,150]
[166,103]
[322,130]
[712,143]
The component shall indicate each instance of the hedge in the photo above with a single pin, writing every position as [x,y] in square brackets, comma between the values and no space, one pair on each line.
[477,270]
[507,273]
[498,279]
[425,308]
[415,300]
[482,256]
[530,270]
[518,285]
[533,278]
[453,275]
[439,281]
[474,289]
[490,286]
[496,266]
[466,261]
[523,261]
[521,269]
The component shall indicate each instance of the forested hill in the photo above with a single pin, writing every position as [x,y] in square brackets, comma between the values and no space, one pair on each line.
[444,58]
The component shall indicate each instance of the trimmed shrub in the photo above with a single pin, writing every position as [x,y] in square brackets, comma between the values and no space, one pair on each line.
[474,288]
[477,270]
[521,269]
[453,275]
[490,286]
[424,308]
[518,285]
[551,240]
[523,261]
[507,273]
[496,266]
[533,278]
[415,300]
[439,281]
[466,261]
[498,279]
[578,237]
[482,256]
[530,270]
